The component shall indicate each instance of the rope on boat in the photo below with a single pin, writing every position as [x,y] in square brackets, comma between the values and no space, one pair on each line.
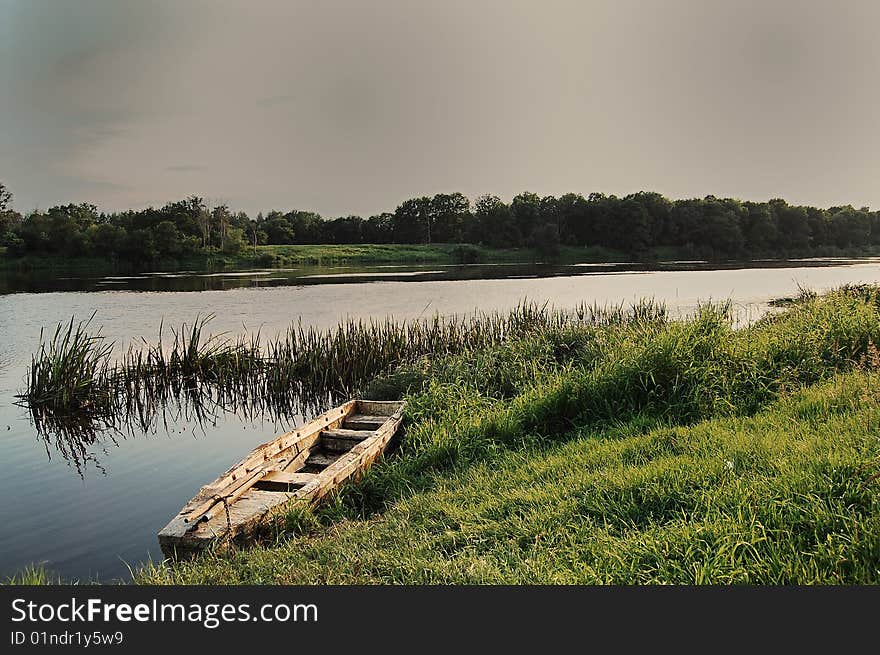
[228,520]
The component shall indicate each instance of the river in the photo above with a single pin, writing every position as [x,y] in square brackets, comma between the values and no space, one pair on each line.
[91,519]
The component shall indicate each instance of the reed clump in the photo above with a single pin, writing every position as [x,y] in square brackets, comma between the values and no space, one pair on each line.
[70,369]
[303,370]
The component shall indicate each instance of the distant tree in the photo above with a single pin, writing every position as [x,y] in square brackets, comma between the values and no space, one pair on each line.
[34,233]
[494,224]
[190,216]
[165,239]
[820,226]
[629,226]
[571,217]
[874,218]
[234,241]
[550,212]
[658,209]
[685,220]
[598,219]
[140,246]
[221,219]
[850,227]
[379,228]
[526,211]
[710,226]
[8,218]
[307,226]
[720,230]
[412,221]
[448,215]
[761,232]
[106,239]
[794,228]
[545,238]
[5,198]
[343,230]
[279,230]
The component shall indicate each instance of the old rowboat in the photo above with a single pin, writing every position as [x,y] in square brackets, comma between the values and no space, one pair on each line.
[303,465]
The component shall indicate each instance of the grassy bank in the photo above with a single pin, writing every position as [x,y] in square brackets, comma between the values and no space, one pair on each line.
[634,451]
[736,500]
[282,256]
[447,254]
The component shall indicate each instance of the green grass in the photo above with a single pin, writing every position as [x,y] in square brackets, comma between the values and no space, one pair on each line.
[74,373]
[789,495]
[293,255]
[281,256]
[32,575]
[637,451]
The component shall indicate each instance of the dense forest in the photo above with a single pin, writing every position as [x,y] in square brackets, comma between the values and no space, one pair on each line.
[709,227]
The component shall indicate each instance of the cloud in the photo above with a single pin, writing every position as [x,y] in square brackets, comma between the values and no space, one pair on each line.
[348,107]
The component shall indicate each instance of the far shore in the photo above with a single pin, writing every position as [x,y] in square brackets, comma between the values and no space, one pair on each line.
[281,256]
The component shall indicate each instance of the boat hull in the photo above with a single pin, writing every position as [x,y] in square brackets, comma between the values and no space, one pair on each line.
[300,466]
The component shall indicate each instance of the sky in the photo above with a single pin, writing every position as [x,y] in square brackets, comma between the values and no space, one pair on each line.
[349,107]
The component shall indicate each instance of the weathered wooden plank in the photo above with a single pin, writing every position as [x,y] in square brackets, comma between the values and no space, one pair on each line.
[285,477]
[255,502]
[246,472]
[207,502]
[176,540]
[332,445]
[363,421]
[229,494]
[378,407]
[353,435]
[303,437]
[320,459]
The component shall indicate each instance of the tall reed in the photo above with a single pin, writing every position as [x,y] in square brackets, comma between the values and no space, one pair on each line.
[70,369]
[76,373]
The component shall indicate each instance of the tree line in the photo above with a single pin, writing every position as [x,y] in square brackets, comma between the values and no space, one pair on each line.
[708,227]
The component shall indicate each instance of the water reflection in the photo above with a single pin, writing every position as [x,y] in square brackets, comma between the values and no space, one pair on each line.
[40,281]
[82,438]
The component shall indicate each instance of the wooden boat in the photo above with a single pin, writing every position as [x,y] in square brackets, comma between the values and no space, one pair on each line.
[303,465]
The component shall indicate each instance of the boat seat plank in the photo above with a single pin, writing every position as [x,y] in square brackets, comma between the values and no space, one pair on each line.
[352,435]
[378,407]
[335,445]
[285,477]
[363,421]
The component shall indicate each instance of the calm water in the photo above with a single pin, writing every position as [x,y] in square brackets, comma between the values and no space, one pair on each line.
[93,520]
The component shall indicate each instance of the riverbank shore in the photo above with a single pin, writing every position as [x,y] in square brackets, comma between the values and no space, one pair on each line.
[634,451]
[281,256]
[623,447]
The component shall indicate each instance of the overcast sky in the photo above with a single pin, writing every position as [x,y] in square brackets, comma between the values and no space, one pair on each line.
[349,107]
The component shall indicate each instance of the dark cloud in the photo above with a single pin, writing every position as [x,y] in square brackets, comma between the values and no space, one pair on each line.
[349,107]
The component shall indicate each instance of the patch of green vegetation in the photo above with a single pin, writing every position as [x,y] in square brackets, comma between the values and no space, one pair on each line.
[637,451]
[31,576]
[316,255]
[788,496]
[284,256]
